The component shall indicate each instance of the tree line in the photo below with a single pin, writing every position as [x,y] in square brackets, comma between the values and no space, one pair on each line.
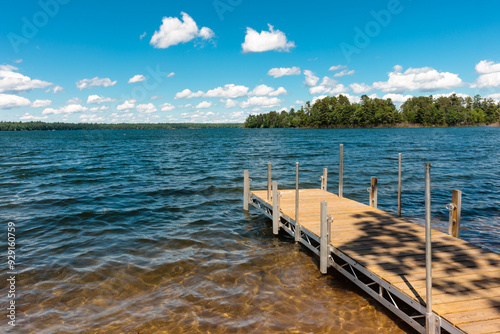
[37,126]
[338,111]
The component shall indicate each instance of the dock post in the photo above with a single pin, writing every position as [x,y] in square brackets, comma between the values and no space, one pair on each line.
[324,238]
[276,208]
[399,185]
[432,321]
[373,192]
[341,170]
[297,225]
[455,208]
[268,181]
[324,179]
[246,190]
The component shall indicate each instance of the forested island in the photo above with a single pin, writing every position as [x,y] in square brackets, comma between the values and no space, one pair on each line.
[339,112]
[42,126]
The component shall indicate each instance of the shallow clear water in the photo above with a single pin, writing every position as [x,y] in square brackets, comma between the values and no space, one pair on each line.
[143,231]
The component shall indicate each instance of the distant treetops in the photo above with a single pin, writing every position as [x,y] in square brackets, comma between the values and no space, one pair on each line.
[339,112]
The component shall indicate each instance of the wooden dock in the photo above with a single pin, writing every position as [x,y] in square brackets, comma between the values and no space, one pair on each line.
[386,256]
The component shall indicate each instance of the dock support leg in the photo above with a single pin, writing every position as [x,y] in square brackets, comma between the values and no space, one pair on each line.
[268,181]
[246,190]
[324,238]
[455,208]
[399,184]
[324,179]
[341,170]
[373,192]
[297,225]
[276,209]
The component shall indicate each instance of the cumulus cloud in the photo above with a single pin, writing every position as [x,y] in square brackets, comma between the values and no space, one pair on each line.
[328,86]
[261,101]
[137,78]
[316,98]
[41,103]
[74,100]
[94,82]
[360,88]
[310,80]
[28,117]
[204,105]
[146,108]
[229,103]
[337,67]
[8,101]
[262,90]
[278,72]
[272,40]
[69,109]
[56,89]
[14,82]
[489,75]
[91,118]
[229,91]
[397,98]
[96,99]
[343,73]
[166,107]
[99,109]
[174,31]
[425,79]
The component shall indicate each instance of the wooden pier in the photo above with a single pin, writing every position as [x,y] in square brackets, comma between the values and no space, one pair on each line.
[385,255]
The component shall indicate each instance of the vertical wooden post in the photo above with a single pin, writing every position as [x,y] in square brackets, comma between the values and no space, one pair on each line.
[341,171]
[324,238]
[297,225]
[268,181]
[399,185]
[455,212]
[324,179]
[429,315]
[373,192]
[246,190]
[276,208]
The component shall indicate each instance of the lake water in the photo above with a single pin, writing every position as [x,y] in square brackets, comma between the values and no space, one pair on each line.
[144,232]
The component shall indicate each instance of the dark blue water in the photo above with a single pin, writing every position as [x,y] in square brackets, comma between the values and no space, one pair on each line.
[143,231]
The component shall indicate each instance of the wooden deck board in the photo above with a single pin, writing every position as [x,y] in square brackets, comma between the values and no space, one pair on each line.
[466,278]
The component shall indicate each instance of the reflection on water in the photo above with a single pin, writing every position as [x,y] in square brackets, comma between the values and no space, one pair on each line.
[143,231]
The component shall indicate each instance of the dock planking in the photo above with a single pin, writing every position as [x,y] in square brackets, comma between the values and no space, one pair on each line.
[389,251]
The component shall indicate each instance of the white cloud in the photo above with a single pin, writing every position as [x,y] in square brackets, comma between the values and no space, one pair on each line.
[17,61]
[155,97]
[355,99]
[278,72]
[262,90]
[343,73]
[8,101]
[167,107]
[229,103]
[450,94]
[56,89]
[397,98]
[137,78]
[96,99]
[489,75]
[129,104]
[28,117]
[423,79]
[316,98]
[91,118]
[311,80]
[360,88]
[94,82]
[13,82]
[229,91]
[204,105]
[495,96]
[41,103]
[171,74]
[299,102]
[173,32]
[69,109]
[328,86]
[337,67]
[261,102]
[266,41]
[74,100]
[146,108]
[99,109]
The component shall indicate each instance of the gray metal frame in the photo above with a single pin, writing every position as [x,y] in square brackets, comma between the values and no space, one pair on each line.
[409,310]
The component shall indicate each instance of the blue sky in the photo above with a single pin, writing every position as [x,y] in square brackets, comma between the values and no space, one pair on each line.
[221,60]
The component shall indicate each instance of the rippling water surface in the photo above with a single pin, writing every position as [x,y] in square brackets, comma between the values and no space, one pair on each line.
[143,231]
